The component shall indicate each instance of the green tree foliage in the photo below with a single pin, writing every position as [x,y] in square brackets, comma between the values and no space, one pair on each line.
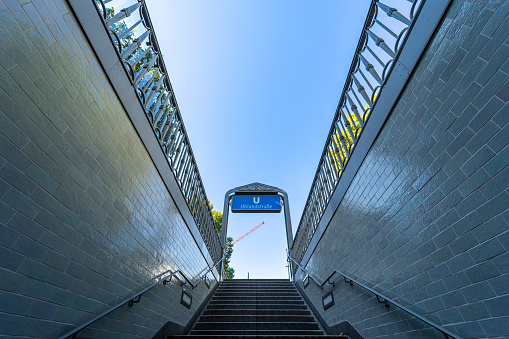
[343,141]
[230,271]
[218,220]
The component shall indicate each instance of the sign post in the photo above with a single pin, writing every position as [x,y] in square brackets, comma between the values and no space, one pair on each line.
[257,198]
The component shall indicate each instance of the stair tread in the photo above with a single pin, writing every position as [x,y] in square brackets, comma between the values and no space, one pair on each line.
[222,333]
[258,318]
[256,325]
[255,312]
[254,281]
[257,297]
[292,305]
[265,322]
[257,294]
[261,336]
[256,308]
[246,307]
[262,302]
[258,290]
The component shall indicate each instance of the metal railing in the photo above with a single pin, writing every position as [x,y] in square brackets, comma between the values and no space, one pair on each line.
[289,258]
[134,38]
[387,302]
[133,300]
[207,270]
[381,40]
[379,297]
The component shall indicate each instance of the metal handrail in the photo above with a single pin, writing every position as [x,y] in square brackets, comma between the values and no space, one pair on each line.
[137,47]
[131,301]
[376,54]
[207,270]
[381,299]
[305,271]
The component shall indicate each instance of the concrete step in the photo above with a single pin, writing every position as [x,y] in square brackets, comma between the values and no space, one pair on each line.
[256,306]
[262,305]
[255,281]
[258,312]
[223,333]
[257,333]
[257,301]
[281,336]
[248,293]
[247,283]
[256,292]
[270,308]
[256,326]
[256,297]
[254,288]
[283,318]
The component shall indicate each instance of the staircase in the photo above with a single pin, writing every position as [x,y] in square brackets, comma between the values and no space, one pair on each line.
[256,308]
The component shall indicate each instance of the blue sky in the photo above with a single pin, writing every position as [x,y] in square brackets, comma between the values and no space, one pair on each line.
[257,83]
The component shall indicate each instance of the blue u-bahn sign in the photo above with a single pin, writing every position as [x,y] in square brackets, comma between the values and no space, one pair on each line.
[256,204]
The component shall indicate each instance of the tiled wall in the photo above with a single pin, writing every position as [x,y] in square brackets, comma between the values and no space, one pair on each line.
[426,218]
[85,217]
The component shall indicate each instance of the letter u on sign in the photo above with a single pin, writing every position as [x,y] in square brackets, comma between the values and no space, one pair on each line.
[256,200]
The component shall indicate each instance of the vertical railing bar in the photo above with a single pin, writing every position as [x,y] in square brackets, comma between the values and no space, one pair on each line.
[185,168]
[181,151]
[354,106]
[326,175]
[181,163]
[320,190]
[121,36]
[166,126]
[145,69]
[339,147]
[332,166]
[346,126]
[375,56]
[365,79]
[175,140]
[187,177]
[138,59]
[334,176]
[145,87]
[194,191]
[174,125]
[334,152]
[154,90]
[386,28]
[381,43]
[162,107]
[135,44]
[361,90]
[320,193]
